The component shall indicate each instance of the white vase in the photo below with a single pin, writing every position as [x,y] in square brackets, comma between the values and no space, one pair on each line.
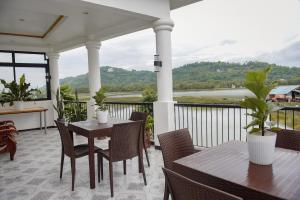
[261,148]
[19,105]
[102,116]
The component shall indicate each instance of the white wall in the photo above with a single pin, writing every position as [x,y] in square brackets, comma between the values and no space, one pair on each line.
[30,120]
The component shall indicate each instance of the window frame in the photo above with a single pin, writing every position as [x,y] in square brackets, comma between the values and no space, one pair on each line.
[15,65]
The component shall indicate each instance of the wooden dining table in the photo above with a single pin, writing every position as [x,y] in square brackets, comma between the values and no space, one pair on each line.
[227,167]
[91,129]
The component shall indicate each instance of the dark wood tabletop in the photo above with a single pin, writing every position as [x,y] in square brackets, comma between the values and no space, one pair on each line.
[227,168]
[92,129]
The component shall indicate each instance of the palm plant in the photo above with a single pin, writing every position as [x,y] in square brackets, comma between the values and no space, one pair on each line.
[75,111]
[14,91]
[59,107]
[256,82]
[100,99]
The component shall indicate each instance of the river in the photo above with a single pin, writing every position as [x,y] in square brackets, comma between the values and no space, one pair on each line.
[240,92]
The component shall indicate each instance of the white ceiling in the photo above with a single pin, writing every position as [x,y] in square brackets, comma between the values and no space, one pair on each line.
[174,4]
[81,20]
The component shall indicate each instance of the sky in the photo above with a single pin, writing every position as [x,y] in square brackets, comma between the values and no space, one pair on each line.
[210,30]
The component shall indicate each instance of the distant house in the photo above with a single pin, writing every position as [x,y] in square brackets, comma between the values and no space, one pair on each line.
[285,93]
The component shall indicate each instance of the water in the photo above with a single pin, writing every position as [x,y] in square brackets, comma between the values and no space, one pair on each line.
[241,92]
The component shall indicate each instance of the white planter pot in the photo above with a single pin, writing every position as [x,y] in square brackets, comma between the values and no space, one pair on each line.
[102,116]
[19,105]
[261,148]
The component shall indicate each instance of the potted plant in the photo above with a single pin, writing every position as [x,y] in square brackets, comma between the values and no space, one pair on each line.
[102,110]
[148,128]
[59,107]
[261,142]
[16,93]
[74,110]
[148,96]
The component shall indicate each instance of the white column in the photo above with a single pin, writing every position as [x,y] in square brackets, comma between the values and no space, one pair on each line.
[164,107]
[54,73]
[93,74]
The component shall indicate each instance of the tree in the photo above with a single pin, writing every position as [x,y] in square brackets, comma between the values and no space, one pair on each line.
[66,92]
[149,95]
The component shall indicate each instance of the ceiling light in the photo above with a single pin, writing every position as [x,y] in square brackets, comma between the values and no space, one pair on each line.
[21,20]
[85,13]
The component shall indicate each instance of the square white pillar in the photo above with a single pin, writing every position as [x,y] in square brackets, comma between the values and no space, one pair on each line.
[163,118]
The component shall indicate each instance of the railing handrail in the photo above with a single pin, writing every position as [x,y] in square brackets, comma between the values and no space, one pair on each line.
[296,108]
[129,103]
[68,101]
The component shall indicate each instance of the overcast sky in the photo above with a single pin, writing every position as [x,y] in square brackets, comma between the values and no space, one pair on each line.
[211,30]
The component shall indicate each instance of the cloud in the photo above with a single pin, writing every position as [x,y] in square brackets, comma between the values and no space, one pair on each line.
[288,56]
[73,62]
[227,42]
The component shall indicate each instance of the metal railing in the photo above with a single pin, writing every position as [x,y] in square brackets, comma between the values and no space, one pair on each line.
[124,110]
[214,124]
[209,124]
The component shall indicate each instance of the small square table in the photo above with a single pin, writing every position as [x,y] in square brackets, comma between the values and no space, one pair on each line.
[227,168]
[92,129]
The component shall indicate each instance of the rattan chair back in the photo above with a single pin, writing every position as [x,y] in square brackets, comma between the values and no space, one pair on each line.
[175,145]
[125,141]
[182,188]
[288,139]
[66,139]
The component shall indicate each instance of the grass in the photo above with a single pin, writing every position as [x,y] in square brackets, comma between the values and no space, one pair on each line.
[183,99]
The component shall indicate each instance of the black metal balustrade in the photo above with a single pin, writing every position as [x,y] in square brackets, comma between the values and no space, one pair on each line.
[209,124]
[214,124]
[124,110]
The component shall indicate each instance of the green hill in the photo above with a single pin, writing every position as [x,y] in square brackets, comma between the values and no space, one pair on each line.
[200,75]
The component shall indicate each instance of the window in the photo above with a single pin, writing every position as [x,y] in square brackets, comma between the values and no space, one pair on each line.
[34,66]
[7,74]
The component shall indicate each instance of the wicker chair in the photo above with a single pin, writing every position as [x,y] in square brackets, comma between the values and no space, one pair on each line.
[137,116]
[175,145]
[182,188]
[72,151]
[7,138]
[288,139]
[124,144]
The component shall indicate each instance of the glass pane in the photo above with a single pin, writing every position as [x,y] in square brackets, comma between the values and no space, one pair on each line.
[36,78]
[5,57]
[7,74]
[29,58]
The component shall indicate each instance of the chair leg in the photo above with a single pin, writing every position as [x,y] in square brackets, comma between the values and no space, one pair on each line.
[101,163]
[99,166]
[124,166]
[62,163]
[166,193]
[146,153]
[73,169]
[111,179]
[12,147]
[143,170]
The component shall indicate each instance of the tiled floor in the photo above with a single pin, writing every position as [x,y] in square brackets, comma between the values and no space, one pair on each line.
[34,174]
